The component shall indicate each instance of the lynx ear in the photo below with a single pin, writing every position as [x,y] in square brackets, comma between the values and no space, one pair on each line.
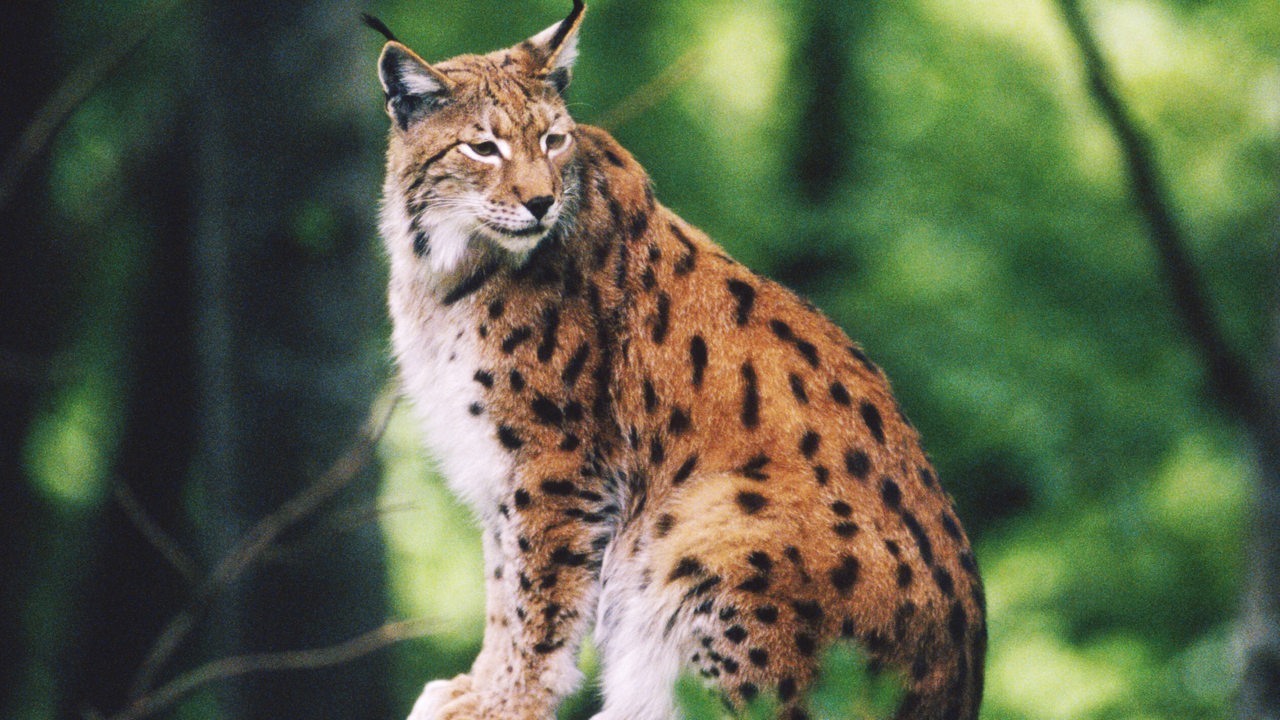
[412,86]
[553,50]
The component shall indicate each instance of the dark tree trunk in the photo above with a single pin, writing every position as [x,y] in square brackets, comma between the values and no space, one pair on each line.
[1260,615]
[288,311]
[132,588]
[1250,398]
[33,279]
[824,79]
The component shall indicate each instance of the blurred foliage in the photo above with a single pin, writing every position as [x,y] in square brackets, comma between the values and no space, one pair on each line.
[978,238]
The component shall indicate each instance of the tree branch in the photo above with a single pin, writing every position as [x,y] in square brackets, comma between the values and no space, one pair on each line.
[654,91]
[154,534]
[260,537]
[1233,382]
[77,87]
[170,693]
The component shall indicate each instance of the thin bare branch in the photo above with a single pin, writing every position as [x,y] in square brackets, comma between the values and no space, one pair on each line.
[77,87]
[653,92]
[167,695]
[260,537]
[154,534]
[1234,382]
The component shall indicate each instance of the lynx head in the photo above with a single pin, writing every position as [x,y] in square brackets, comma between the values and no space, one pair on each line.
[481,147]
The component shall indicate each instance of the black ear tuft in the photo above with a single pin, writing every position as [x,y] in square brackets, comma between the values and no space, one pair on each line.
[380,26]
[413,88]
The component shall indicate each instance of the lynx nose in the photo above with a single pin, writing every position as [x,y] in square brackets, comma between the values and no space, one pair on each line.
[539,205]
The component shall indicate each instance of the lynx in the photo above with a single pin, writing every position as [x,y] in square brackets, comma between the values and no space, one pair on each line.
[660,444]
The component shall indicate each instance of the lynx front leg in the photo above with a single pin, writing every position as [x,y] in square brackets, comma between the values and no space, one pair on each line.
[495,654]
[542,592]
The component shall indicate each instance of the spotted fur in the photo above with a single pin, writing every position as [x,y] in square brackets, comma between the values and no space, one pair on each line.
[657,441]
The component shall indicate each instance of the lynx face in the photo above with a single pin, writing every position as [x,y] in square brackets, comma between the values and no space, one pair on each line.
[481,148]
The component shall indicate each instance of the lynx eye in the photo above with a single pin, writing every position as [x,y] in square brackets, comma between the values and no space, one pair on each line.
[487,148]
[554,141]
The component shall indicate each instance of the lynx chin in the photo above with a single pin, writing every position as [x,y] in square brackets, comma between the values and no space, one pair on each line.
[660,444]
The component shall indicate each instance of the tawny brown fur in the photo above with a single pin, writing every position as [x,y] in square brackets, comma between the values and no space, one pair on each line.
[653,416]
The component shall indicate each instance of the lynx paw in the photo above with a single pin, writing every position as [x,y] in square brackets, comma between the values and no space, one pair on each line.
[440,696]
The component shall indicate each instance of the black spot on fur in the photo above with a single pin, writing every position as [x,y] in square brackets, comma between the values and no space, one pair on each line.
[926,477]
[484,378]
[751,502]
[471,283]
[664,525]
[871,416]
[809,351]
[902,620]
[841,508]
[662,322]
[787,689]
[657,452]
[857,463]
[516,380]
[862,358]
[475,408]
[957,622]
[821,474]
[921,538]
[679,422]
[797,389]
[496,308]
[944,582]
[754,468]
[562,488]
[756,584]
[522,498]
[686,469]
[748,691]
[564,556]
[686,567]
[576,363]
[698,356]
[844,575]
[550,327]
[950,526]
[767,614]
[904,575]
[750,397]
[809,444]
[840,394]
[782,330]
[890,493]
[845,529]
[509,438]
[735,634]
[760,560]
[650,396]
[745,295]
[685,264]
[547,411]
[806,644]
[420,244]
[514,339]
[808,610]
[758,657]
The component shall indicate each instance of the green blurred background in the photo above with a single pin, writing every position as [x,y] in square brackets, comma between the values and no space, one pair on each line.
[193,331]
